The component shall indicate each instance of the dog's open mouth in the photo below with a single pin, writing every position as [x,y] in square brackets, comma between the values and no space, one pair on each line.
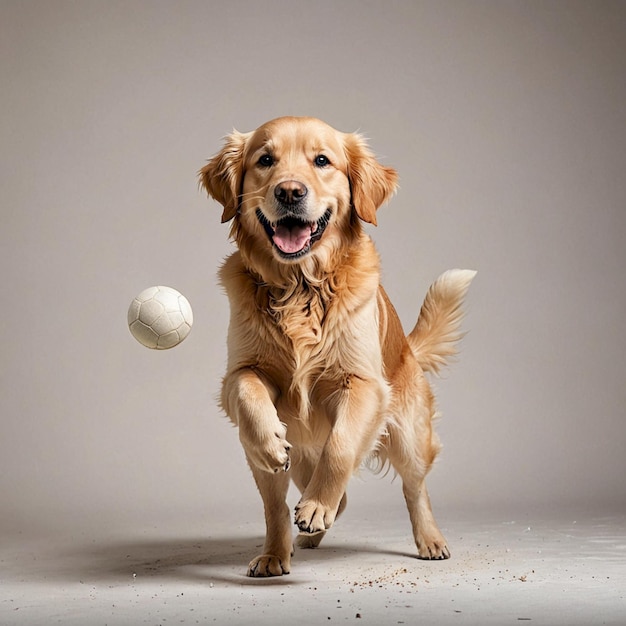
[293,237]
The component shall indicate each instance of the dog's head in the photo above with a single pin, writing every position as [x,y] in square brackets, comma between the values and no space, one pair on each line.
[296,188]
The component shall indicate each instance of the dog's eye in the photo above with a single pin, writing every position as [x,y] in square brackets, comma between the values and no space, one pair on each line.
[321,160]
[266,160]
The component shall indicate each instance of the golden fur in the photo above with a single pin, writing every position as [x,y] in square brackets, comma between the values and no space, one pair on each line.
[320,375]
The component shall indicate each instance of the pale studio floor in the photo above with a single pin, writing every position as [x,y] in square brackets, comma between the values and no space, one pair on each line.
[546,567]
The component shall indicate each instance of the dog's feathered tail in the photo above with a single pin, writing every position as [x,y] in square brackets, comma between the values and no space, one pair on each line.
[434,338]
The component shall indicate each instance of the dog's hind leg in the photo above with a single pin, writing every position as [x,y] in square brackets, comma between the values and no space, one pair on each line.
[406,459]
[278,548]
[431,544]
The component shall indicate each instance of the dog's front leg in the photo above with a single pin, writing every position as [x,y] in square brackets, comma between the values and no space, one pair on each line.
[358,412]
[249,399]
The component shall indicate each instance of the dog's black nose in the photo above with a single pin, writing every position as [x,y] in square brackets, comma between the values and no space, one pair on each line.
[290,191]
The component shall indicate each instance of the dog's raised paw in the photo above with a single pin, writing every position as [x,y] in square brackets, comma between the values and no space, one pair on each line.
[271,453]
[282,460]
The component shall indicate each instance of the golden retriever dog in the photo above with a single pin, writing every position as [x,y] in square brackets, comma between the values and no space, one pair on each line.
[320,375]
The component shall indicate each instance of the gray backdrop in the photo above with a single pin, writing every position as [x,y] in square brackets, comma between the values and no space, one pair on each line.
[507,124]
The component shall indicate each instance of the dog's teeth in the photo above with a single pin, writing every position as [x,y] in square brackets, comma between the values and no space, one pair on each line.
[313,227]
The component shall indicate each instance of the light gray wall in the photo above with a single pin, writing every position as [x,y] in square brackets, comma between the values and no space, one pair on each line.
[507,124]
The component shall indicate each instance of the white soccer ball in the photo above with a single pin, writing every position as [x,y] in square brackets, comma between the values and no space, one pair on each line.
[160,317]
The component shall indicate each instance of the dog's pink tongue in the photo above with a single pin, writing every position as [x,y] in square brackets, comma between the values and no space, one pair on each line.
[293,239]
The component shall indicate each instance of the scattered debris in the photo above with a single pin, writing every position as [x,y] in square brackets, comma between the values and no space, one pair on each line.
[385,579]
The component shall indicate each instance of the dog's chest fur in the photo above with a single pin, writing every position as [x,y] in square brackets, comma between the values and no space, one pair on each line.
[311,328]
[298,314]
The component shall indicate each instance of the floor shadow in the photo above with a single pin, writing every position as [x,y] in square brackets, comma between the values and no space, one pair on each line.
[221,559]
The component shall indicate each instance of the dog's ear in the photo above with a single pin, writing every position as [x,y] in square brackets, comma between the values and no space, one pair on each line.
[222,176]
[371,183]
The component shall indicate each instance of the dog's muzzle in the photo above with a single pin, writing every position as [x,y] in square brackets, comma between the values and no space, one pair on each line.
[292,236]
